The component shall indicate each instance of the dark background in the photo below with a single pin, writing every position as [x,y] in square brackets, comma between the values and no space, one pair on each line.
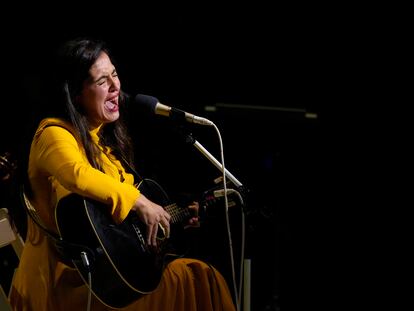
[274,65]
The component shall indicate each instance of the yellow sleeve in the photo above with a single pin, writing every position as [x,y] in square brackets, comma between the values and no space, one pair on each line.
[59,154]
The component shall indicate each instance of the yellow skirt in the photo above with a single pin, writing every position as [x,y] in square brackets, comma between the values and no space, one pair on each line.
[43,283]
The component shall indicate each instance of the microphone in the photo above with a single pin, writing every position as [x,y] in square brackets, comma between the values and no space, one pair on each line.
[176,114]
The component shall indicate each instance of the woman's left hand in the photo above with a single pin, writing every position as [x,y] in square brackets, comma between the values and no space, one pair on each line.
[193,221]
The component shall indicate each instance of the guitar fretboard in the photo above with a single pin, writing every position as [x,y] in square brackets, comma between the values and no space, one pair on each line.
[178,214]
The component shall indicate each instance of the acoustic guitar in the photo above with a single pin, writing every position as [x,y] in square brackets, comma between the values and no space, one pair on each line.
[122,267]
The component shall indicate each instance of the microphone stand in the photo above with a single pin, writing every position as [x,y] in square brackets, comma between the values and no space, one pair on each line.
[191,140]
[245,273]
[179,117]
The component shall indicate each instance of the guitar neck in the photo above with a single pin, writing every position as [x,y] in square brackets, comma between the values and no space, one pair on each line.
[178,214]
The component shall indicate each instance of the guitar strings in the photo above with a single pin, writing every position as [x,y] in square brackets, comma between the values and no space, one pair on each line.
[177,214]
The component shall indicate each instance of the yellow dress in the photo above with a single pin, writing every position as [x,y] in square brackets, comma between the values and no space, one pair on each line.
[57,167]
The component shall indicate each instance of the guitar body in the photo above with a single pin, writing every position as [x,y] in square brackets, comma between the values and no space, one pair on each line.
[122,267]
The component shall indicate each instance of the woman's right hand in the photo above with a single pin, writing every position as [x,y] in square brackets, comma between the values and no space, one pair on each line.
[152,214]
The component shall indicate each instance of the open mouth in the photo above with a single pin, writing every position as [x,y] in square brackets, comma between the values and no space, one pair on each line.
[111,105]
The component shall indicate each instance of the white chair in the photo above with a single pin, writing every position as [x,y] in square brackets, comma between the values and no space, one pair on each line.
[8,235]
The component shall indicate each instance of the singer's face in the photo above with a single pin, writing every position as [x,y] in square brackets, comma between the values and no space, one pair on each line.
[100,93]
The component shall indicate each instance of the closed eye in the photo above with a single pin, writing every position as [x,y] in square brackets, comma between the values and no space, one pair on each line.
[102,79]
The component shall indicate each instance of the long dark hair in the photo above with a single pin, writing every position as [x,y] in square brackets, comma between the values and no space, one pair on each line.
[75,58]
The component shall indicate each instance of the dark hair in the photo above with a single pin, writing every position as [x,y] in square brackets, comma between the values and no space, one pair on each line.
[75,58]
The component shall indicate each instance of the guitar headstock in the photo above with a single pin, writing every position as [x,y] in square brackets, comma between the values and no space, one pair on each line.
[211,204]
[210,200]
